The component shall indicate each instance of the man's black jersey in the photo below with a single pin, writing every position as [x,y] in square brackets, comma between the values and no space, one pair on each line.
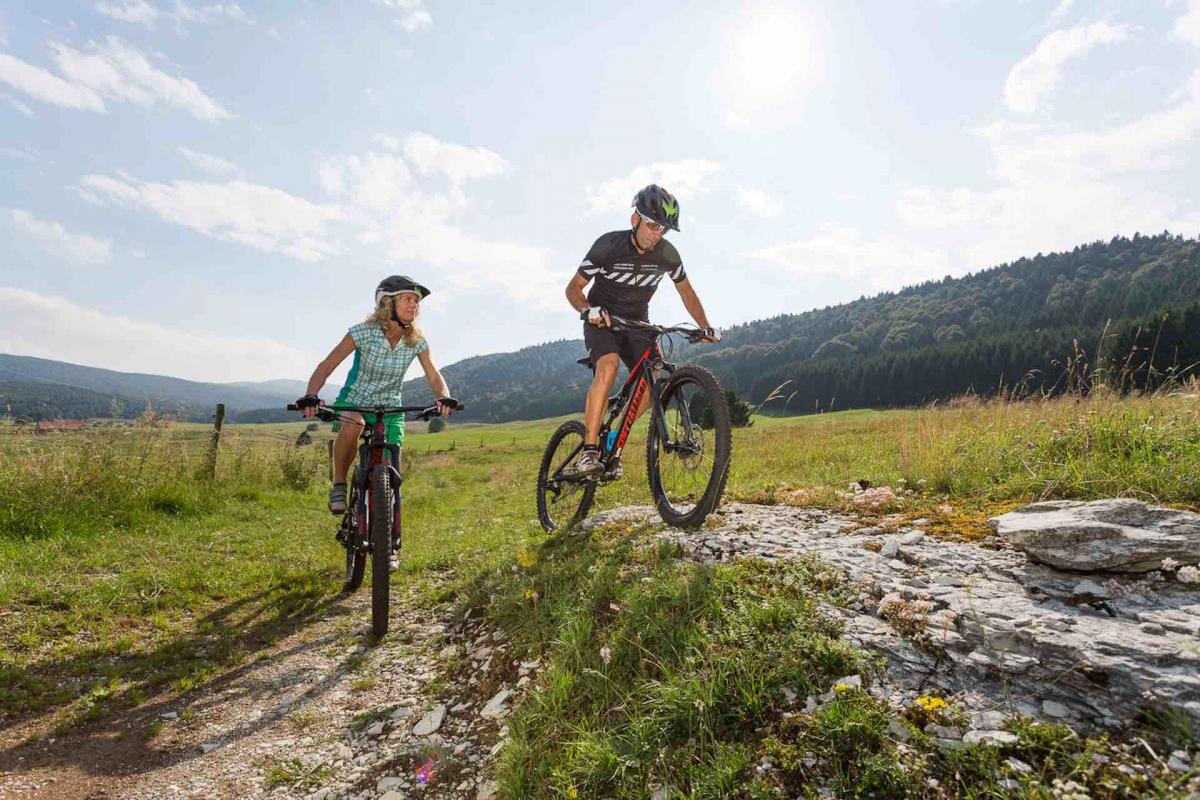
[625,280]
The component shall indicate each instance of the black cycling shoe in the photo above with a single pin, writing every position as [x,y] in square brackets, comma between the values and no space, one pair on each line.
[337,498]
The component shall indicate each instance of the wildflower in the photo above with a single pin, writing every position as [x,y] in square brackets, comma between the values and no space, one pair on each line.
[841,687]
[605,654]
[531,595]
[572,793]
[526,559]
[1189,574]
[931,705]
[1068,790]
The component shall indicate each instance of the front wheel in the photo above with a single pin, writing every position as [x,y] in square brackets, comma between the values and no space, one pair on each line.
[562,503]
[381,547]
[352,537]
[688,468]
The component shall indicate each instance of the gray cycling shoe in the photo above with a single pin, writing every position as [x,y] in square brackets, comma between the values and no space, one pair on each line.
[337,498]
[393,561]
[587,466]
[614,471]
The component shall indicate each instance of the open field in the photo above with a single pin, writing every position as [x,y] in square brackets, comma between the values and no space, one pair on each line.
[126,575]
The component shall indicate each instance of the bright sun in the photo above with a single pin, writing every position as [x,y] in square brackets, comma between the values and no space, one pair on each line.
[770,63]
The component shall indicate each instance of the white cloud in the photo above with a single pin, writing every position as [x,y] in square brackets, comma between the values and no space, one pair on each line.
[138,12]
[410,14]
[395,198]
[1035,76]
[20,107]
[141,12]
[210,163]
[1187,25]
[75,247]
[457,162]
[23,151]
[872,265]
[1057,185]
[118,71]
[1061,10]
[114,70]
[236,211]
[372,181]
[212,12]
[54,327]
[759,202]
[684,179]
[46,86]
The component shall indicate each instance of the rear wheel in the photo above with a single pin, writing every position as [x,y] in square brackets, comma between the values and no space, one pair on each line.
[688,468]
[381,547]
[356,556]
[562,503]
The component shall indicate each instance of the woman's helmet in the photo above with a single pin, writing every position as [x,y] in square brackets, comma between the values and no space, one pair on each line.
[656,203]
[398,284]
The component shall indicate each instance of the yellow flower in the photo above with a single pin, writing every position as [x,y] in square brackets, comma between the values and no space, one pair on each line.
[842,687]
[931,705]
[572,793]
[526,559]
[530,594]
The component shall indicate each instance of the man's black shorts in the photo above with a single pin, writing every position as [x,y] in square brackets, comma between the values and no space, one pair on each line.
[629,345]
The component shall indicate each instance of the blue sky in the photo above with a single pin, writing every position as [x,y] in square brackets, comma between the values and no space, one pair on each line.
[212,189]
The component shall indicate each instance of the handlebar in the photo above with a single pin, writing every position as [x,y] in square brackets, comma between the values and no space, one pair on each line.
[423,413]
[692,333]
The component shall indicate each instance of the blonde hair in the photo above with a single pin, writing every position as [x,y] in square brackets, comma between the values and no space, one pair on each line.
[383,315]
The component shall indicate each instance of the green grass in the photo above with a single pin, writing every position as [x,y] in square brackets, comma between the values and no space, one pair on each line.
[124,575]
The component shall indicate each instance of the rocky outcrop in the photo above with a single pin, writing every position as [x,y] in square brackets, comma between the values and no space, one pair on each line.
[1105,535]
[1004,633]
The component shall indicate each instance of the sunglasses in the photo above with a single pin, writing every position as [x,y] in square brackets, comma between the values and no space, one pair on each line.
[656,227]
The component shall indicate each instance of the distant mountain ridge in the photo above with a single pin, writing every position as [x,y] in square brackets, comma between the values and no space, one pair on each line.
[41,388]
[1015,323]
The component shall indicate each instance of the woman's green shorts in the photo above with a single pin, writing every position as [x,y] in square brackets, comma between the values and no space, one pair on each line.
[393,426]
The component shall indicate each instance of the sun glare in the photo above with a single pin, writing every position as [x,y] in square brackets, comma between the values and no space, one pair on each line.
[770,63]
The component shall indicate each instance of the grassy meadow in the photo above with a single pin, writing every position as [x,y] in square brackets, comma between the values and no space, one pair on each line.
[126,573]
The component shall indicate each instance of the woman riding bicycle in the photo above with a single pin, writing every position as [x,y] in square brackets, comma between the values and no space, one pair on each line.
[384,346]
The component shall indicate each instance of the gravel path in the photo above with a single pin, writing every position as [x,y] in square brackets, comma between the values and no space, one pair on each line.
[317,715]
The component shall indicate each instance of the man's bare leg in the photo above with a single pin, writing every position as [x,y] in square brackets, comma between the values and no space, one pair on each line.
[597,396]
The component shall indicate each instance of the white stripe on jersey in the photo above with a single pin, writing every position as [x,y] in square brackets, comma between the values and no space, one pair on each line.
[677,273]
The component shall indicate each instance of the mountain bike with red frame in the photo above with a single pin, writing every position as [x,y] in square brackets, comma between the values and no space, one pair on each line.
[687,447]
[371,524]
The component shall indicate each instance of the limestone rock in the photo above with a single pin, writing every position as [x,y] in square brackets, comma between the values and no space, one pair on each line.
[1116,535]
[430,722]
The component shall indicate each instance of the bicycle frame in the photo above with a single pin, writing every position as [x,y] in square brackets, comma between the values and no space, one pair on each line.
[640,381]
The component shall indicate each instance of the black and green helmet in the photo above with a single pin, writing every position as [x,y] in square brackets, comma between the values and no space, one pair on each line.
[656,203]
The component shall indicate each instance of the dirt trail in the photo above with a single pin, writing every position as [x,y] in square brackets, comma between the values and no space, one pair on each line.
[318,714]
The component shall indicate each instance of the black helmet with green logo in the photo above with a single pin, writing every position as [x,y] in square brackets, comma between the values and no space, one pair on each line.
[656,203]
[398,284]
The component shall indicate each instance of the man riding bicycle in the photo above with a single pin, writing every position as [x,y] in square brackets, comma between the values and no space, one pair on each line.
[625,267]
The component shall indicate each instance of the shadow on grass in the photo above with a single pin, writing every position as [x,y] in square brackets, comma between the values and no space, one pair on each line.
[211,665]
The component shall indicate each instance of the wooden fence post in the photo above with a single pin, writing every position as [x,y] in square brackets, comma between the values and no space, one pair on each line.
[216,441]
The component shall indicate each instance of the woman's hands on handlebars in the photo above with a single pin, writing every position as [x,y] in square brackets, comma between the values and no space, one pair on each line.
[309,404]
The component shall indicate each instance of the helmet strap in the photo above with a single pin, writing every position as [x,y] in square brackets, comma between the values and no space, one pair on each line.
[636,227]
